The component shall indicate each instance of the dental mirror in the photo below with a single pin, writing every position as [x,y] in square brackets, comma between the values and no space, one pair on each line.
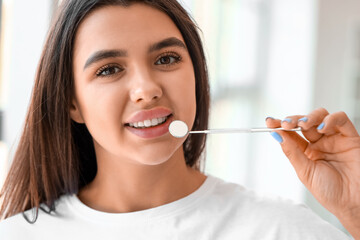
[179,129]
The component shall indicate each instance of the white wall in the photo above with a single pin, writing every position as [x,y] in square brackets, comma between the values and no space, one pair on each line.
[334,85]
[27,26]
[24,25]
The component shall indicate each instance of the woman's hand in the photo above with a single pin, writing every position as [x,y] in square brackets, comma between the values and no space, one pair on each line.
[327,161]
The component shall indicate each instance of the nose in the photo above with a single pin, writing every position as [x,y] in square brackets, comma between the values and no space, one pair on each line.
[144,88]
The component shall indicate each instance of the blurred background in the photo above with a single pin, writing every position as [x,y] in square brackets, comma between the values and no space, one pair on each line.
[266,58]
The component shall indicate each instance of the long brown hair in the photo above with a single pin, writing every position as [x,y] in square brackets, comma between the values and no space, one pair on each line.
[55,155]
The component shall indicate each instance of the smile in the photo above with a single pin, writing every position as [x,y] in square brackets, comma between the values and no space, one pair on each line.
[148,123]
[150,128]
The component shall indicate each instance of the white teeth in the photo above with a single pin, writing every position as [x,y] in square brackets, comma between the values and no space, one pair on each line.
[148,123]
[154,121]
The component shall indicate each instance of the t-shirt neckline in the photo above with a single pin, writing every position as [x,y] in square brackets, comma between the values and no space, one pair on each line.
[157,213]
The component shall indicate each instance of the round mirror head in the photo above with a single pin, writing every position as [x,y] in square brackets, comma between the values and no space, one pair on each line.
[178,129]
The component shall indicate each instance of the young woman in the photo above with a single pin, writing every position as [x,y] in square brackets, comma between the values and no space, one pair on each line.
[96,159]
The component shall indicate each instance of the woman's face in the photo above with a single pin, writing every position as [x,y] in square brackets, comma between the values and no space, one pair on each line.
[132,69]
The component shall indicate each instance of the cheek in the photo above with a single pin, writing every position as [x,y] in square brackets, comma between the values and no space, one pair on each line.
[95,101]
[101,107]
[183,93]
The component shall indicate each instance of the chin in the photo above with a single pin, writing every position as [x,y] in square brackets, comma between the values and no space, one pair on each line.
[153,160]
[159,155]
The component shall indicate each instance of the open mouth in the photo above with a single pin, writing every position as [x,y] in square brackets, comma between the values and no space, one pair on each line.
[149,123]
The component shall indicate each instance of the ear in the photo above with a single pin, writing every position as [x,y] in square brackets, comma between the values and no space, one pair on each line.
[75,113]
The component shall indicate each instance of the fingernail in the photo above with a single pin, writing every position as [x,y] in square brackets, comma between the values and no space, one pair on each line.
[268,118]
[321,126]
[304,119]
[277,137]
[287,120]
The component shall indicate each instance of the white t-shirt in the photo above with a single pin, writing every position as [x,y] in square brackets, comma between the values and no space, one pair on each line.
[216,210]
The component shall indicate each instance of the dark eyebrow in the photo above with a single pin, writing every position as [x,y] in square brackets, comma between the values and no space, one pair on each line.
[168,42]
[103,54]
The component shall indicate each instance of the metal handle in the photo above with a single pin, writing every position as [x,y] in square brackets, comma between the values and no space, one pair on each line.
[244,130]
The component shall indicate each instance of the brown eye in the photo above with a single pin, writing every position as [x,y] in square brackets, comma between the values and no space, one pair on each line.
[108,71]
[168,59]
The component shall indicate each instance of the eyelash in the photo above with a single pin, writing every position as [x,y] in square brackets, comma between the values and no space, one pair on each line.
[107,68]
[113,66]
[169,54]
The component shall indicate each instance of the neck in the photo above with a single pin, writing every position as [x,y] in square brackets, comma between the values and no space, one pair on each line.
[132,187]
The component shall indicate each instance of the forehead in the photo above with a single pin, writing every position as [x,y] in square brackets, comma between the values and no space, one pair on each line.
[137,25]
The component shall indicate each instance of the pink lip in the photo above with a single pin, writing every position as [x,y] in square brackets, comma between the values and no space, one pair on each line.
[143,115]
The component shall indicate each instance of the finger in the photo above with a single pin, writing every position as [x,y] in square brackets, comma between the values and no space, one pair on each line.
[287,123]
[337,157]
[310,123]
[316,151]
[294,149]
[296,138]
[338,123]
[336,143]
[291,122]
[272,122]
[313,119]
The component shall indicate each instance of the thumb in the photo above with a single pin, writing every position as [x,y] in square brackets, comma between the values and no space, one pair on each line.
[294,147]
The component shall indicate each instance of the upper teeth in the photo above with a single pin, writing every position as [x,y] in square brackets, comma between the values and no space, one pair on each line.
[148,123]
